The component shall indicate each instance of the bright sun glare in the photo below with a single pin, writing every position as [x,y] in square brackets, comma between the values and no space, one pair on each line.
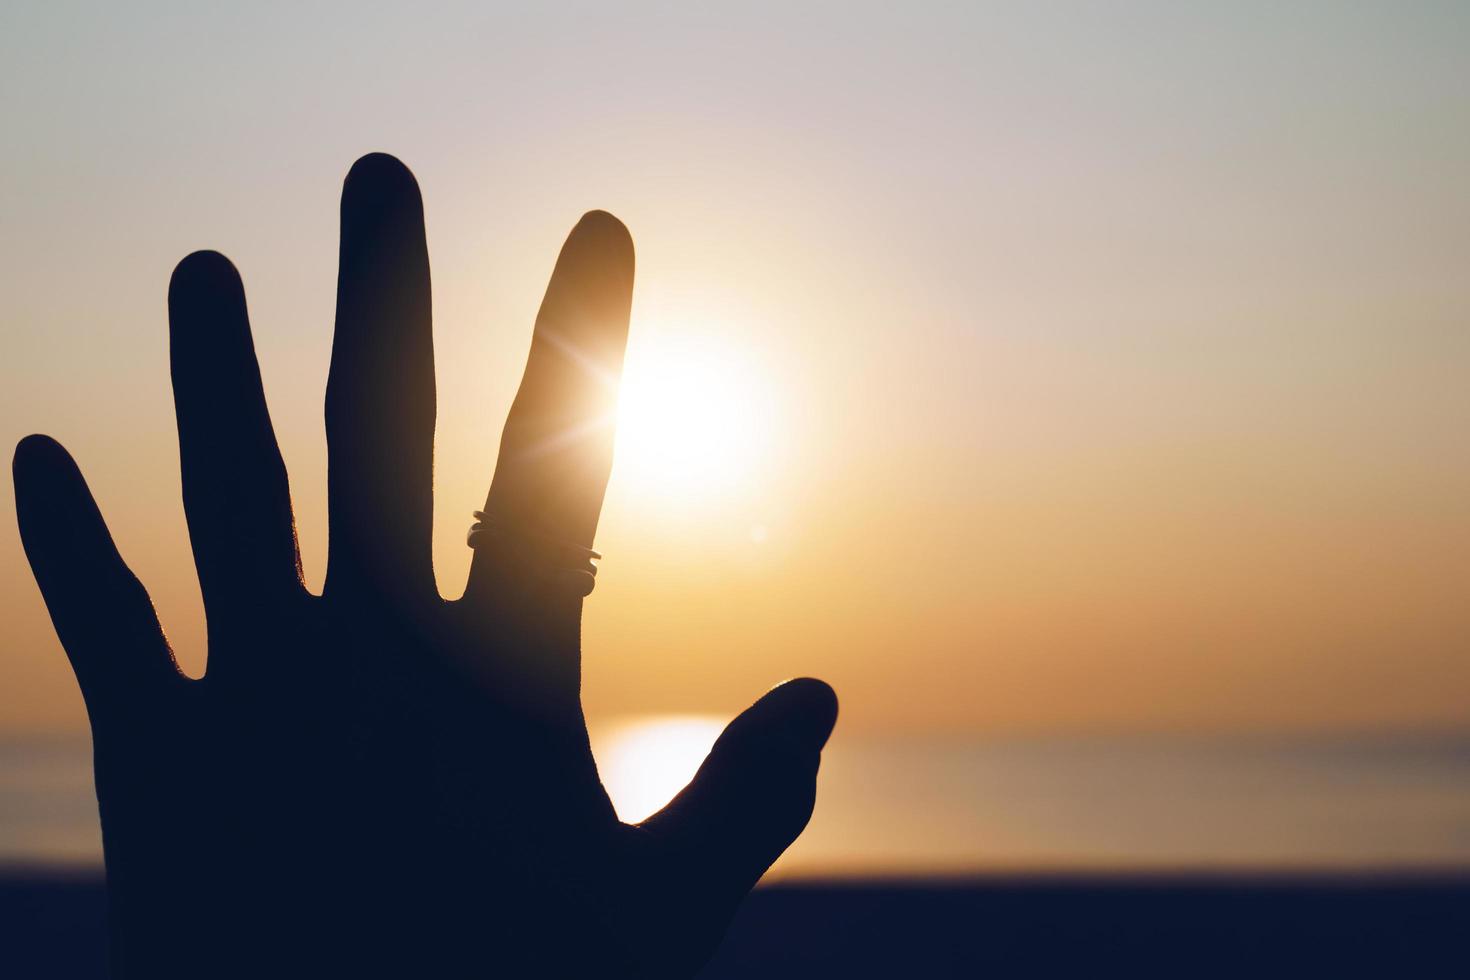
[643,763]
[691,419]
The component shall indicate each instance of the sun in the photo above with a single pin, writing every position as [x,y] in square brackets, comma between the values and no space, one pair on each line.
[692,419]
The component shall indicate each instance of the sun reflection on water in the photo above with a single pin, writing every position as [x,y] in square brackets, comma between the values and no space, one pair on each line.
[645,761]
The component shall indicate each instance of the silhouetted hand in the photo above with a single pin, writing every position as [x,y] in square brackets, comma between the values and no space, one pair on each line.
[376,781]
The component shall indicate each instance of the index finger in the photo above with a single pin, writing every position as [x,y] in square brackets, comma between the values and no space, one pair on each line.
[556,450]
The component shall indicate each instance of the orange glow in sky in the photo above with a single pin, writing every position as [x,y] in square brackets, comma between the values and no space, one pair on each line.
[1015,368]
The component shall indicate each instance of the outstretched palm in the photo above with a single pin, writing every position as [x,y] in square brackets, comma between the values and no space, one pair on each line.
[377,781]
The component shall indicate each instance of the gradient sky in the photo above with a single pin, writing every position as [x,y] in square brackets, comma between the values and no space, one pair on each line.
[1105,365]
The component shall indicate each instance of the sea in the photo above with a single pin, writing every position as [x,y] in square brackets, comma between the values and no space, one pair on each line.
[951,806]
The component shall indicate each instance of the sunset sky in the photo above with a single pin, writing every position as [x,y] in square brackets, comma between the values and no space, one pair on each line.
[1013,367]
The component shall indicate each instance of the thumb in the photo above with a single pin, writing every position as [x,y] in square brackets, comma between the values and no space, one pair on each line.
[754,793]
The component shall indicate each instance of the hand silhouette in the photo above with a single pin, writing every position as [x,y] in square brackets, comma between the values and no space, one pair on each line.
[377,781]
